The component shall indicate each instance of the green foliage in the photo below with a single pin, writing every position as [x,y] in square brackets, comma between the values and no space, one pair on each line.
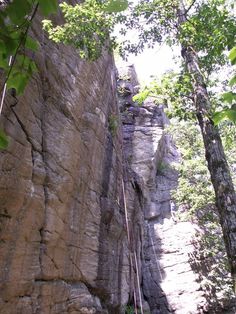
[113,124]
[143,95]
[194,198]
[175,91]
[229,114]
[48,7]
[194,188]
[195,191]
[162,167]
[87,26]
[129,309]
[232,55]
[116,6]
[228,98]
[152,20]
[209,28]
[3,140]
[16,46]
[15,43]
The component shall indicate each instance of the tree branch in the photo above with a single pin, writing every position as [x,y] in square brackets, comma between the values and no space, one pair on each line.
[190,7]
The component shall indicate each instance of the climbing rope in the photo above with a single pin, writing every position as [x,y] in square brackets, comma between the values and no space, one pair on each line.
[135,264]
[138,282]
[154,251]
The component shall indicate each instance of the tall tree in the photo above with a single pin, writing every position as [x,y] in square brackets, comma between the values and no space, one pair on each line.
[203,29]
[217,164]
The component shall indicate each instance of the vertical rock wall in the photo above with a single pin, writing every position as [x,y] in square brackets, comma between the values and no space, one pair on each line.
[169,283]
[63,246]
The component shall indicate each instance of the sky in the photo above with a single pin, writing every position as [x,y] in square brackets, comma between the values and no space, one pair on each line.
[154,62]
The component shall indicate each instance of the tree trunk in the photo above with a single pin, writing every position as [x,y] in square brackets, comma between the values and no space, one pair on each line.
[217,164]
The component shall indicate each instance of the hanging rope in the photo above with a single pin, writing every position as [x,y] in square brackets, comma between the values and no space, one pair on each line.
[135,264]
[138,282]
[155,254]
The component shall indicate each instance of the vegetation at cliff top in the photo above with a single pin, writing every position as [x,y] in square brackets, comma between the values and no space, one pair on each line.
[87,26]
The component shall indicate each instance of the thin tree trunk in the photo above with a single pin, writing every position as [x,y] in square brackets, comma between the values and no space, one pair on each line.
[217,164]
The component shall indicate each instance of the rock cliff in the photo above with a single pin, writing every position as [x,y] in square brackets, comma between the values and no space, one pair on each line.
[72,180]
[63,244]
[169,282]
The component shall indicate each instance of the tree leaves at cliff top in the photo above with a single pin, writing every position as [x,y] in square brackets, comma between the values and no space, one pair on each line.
[87,26]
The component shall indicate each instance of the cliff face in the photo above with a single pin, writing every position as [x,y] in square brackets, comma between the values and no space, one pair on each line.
[169,281]
[63,236]
[63,244]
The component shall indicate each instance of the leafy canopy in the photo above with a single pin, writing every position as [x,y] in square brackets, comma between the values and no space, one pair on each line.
[87,26]
[209,30]
[228,98]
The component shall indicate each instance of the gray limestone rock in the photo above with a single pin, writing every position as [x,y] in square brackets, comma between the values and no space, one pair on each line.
[169,282]
[63,245]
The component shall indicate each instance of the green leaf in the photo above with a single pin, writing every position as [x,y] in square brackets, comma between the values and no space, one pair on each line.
[32,68]
[231,114]
[2,47]
[18,81]
[31,44]
[3,140]
[229,97]
[11,45]
[116,6]
[232,55]
[225,114]
[48,6]
[3,62]
[219,116]
[17,10]
[232,82]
